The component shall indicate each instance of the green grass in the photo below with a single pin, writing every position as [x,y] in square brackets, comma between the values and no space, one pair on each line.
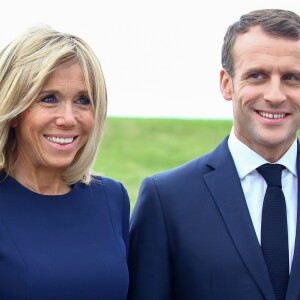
[133,148]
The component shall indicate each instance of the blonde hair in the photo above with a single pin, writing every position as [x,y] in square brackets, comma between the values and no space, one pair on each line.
[25,65]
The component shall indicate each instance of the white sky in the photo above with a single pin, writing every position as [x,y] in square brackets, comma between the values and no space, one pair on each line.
[160,58]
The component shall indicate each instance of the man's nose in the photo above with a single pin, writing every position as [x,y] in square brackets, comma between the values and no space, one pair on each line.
[275,92]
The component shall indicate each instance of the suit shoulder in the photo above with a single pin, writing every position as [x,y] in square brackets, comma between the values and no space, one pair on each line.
[196,167]
[186,170]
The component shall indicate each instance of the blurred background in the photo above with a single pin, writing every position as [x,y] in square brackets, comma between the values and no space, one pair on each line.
[161,61]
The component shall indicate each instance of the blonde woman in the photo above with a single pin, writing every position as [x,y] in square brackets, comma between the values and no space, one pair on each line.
[63,231]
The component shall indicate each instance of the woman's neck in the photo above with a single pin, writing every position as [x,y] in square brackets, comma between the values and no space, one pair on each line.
[41,181]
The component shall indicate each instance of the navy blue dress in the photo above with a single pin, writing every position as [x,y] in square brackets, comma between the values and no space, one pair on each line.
[67,247]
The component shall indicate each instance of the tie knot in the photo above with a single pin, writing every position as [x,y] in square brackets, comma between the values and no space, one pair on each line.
[271,173]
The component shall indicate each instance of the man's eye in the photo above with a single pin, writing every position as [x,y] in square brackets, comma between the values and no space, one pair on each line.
[84,100]
[49,99]
[256,75]
[290,77]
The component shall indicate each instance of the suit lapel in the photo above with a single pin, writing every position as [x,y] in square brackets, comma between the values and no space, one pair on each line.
[293,291]
[225,187]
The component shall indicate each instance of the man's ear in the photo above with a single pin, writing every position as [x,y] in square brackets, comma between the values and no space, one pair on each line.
[226,85]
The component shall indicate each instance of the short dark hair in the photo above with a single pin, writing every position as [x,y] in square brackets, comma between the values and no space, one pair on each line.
[277,22]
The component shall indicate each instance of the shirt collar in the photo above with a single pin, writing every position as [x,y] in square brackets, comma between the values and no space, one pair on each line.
[244,166]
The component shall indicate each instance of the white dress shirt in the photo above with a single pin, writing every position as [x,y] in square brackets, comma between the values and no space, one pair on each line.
[254,186]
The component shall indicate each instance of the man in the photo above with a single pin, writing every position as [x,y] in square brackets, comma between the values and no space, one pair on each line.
[202,231]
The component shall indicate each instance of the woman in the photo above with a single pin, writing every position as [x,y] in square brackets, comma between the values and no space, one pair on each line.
[63,231]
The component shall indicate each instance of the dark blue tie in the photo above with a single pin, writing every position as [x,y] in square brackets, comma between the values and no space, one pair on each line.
[274,234]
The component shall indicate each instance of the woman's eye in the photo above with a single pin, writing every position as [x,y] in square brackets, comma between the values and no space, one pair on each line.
[49,99]
[84,100]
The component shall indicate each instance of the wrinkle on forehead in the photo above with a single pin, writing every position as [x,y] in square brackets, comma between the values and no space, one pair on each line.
[258,49]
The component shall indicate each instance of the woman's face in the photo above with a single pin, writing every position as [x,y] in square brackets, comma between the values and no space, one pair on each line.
[53,129]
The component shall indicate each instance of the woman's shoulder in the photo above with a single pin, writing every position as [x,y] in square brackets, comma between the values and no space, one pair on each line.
[105,182]
[115,194]
[111,187]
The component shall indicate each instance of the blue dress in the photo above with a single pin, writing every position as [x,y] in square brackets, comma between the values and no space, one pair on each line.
[64,247]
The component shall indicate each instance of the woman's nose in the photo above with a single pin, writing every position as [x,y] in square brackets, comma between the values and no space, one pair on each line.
[66,115]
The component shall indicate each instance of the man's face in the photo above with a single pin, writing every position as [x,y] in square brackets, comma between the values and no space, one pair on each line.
[265,91]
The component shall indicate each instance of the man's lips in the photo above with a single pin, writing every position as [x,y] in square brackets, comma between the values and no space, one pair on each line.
[267,115]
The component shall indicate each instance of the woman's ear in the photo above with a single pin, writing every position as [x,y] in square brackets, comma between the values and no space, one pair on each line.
[226,85]
[14,122]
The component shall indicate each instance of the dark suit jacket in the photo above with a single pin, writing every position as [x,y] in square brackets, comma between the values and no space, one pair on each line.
[192,238]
